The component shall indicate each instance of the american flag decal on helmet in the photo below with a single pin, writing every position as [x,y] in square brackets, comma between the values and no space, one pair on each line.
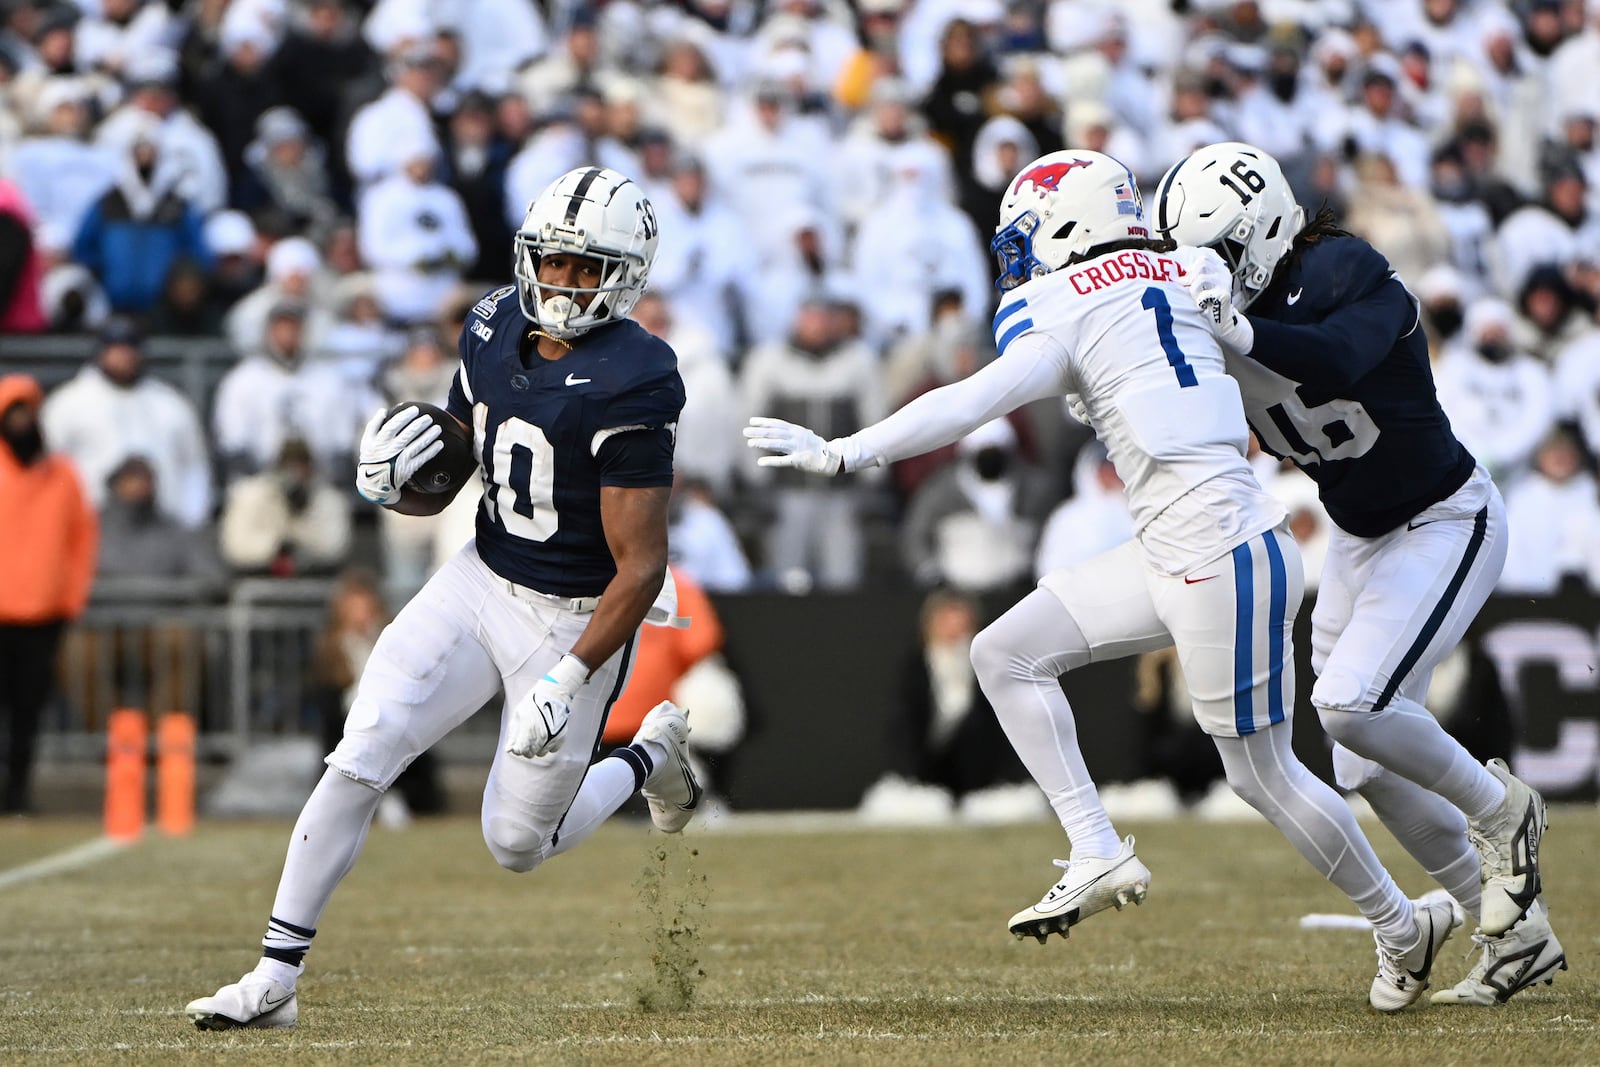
[1128,200]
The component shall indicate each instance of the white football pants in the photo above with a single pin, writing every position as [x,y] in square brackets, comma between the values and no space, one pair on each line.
[1388,610]
[1231,623]
[465,636]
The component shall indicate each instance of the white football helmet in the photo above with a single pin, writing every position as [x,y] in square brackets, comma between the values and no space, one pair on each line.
[1232,197]
[588,211]
[1060,206]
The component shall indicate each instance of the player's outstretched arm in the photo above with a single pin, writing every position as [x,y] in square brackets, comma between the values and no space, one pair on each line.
[792,445]
[1033,368]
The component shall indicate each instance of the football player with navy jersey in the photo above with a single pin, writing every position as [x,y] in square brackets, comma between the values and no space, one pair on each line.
[572,409]
[1326,344]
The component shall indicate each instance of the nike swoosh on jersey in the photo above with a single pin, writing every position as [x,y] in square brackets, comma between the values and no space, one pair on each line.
[577,381]
[1196,581]
[1294,297]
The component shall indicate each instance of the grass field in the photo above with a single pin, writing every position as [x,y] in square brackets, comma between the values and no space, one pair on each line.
[825,946]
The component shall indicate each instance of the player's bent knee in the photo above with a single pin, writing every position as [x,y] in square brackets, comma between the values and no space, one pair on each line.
[998,656]
[514,846]
[1341,690]
[1347,726]
[989,654]
[1249,790]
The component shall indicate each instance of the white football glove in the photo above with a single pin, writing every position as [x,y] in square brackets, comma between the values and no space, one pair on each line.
[1210,282]
[393,450]
[539,720]
[793,446]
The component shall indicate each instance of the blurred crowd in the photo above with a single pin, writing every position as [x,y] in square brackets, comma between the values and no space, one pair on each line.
[326,186]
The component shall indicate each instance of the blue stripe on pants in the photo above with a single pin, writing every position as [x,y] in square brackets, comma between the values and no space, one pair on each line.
[1280,597]
[1244,719]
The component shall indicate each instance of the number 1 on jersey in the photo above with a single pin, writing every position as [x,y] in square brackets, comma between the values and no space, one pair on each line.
[1155,300]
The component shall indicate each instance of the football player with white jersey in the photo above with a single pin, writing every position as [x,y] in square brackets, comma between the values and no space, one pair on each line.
[1093,308]
[572,408]
[1333,366]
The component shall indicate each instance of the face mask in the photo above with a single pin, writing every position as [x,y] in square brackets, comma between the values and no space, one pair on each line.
[124,379]
[142,511]
[1494,351]
[25,443]
[298,495]
[1446,319]
[1453,190]
[991,463]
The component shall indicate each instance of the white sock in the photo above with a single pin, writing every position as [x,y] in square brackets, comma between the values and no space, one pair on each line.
[606,787]
[1405,738]
[1263,769]
[1431,829]
[1019,659]
[327,839]
[285,974]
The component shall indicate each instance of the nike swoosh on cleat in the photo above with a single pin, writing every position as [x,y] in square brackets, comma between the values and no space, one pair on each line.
[1090,884]
[268,1004]
[1427,961]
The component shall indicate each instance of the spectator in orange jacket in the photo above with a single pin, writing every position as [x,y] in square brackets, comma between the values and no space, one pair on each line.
[47,557]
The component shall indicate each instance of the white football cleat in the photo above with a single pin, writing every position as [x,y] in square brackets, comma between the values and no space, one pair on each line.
[1089,885]
[254,1002]
[1524,955]
[1508,852]
[1403,974]
[672,790]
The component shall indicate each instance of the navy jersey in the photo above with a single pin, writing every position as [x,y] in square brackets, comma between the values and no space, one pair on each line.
[1339,382]
[550,433]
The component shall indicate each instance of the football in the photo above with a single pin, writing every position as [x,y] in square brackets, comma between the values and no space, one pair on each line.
[449,468]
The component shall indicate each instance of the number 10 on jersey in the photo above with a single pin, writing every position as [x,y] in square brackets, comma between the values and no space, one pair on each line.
[521,465]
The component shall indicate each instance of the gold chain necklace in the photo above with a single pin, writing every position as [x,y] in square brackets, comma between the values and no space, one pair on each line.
[540,333]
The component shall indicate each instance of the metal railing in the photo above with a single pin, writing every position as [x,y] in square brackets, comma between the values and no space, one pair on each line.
[194,364]
[241,660]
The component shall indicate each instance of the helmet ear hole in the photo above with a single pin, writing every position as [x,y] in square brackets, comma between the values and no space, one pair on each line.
[1066,231]
[1272,231]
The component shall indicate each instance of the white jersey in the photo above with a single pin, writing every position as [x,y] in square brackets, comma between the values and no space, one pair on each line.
[1150,377]
[1123,335]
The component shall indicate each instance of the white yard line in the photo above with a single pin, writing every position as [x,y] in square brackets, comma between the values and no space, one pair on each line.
[70,860]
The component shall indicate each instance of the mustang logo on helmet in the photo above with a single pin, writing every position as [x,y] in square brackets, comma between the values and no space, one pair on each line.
[1049,176]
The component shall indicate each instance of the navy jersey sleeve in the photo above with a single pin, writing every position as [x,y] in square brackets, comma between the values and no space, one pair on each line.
[637,459]
[1355,310]
[638,430]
